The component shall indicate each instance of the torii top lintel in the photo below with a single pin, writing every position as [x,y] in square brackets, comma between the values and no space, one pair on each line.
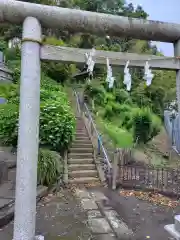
[83,21]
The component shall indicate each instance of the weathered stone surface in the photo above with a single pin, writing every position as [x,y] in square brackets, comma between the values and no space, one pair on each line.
[106,236]
[98,196]
[94,214]
[7,190]
[88,204]
[119,227]
[5,202]
[82,193]
[99,225]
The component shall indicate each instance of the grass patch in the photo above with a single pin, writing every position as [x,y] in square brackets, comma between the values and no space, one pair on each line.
[120,138]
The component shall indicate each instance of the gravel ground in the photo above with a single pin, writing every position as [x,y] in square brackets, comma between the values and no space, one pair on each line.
[59,217]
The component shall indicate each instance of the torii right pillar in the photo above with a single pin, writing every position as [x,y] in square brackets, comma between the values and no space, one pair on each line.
[174,229]
[177,54]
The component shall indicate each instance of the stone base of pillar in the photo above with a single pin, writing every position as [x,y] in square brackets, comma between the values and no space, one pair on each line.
[174,229]
[39,237]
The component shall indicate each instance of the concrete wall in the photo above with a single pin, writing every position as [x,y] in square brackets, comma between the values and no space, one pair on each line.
[5,74]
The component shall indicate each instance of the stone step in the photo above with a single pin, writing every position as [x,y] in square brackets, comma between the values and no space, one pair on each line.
[84,180]
[80,155]
[83,173]
[81,161]
[81,134]
[81,150]
[82,138]
[82,145]
[76,167]
[80,124]
[82,141]
[81,130]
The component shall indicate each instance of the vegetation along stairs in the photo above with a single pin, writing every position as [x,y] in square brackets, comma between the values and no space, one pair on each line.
[81,162]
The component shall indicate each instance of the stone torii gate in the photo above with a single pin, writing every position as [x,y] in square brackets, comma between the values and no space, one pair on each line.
[33,16]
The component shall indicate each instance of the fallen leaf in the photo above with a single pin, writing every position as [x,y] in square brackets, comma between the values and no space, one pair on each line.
[152,197]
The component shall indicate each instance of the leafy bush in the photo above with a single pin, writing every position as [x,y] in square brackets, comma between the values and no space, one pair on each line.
[8,90]
[57,122]
[145,125]
[15,66]
[108,113]
[3,45]
[116,108]
[8,124]
[49,167]
[156,125]
[13,54]
[121,95]
[109,98]
[57,125]
[57,71]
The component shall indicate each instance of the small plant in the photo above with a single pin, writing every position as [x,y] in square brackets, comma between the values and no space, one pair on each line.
[50,167]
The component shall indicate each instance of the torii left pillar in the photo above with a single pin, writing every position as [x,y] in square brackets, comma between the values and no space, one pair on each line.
[28,135]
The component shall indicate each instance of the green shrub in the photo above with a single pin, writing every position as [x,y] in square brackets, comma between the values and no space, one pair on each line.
[156,125]
[145,125]
[58,71]
[116,108]
[3,45]
[96,93]
[124,108]
[8,90]
[121,96]
[50,167]
[57,122]
[108,112]
[109,98]
[57,125]
[9,124]
[13,54]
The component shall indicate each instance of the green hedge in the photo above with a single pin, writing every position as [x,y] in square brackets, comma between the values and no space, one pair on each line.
[57,122]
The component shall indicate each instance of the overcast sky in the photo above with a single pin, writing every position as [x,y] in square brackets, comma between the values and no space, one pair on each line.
[162,10]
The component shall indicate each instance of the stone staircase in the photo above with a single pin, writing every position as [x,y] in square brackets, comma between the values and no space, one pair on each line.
[81,165]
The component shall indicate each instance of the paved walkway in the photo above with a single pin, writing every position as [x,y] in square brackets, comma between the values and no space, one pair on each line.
[98,214]
[67,216]
[102,220]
